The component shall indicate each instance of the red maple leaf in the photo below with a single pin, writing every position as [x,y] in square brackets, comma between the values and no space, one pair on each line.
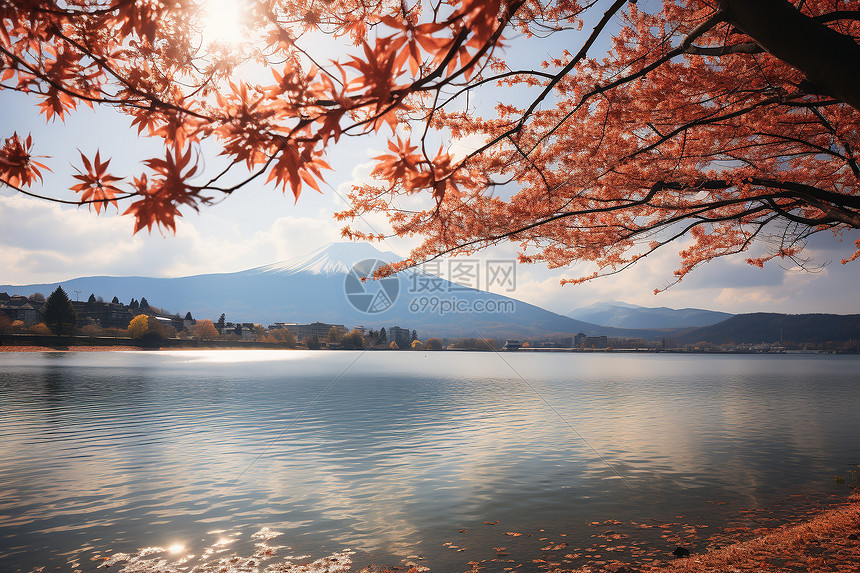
[17,167]
[168,190]
[97,186]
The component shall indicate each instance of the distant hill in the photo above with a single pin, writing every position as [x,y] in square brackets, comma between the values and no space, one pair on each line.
[770,327]
[313,288]
[625,315]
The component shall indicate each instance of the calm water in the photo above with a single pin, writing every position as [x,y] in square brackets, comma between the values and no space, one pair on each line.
[392,454]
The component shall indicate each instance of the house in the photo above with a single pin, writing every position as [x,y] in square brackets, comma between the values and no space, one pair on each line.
[103,314]
[18,307]
[172,321]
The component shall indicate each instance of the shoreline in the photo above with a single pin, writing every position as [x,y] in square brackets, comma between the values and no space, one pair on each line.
[31,348]
[825,541]
[218,345]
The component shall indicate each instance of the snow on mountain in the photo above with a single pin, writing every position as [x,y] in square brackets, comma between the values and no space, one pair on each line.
[319,287]
[331,259]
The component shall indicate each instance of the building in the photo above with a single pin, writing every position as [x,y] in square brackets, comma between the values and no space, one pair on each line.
[596,342]
[512,345]
[402,336]
[173,322]
[18,307]
[318,329]
[103,314]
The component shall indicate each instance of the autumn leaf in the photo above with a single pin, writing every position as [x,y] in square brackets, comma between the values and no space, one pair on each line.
[97,186]
[17,166]
[294,168]
[401,164]
[642,129]
[167,190]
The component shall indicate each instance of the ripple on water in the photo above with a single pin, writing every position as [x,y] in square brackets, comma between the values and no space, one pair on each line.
[132,449]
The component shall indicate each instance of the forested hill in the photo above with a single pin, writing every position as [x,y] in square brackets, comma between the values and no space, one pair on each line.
[771,327]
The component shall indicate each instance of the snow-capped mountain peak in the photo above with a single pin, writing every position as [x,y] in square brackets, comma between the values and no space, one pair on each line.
[330,259]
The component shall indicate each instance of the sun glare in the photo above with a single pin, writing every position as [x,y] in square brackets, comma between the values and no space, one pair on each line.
[176,548]
[222,21]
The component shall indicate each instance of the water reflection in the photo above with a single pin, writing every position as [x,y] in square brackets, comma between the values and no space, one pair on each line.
[125,450]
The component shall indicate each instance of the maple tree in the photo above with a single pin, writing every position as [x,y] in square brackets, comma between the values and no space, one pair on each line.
[723,121]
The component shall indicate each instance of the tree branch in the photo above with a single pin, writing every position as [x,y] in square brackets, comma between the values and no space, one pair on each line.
[745,48]
[829,60]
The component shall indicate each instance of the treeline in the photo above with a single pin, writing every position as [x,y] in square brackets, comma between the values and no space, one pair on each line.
[58,315]
[791,330]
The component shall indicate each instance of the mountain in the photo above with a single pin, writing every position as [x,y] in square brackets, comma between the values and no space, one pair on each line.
[329,260]
[323,286]
[766,327]
[625,315]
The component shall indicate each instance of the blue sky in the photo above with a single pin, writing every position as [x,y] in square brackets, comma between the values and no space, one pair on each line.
[46,242]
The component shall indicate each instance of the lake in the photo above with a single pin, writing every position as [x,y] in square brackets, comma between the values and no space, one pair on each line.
[398,456]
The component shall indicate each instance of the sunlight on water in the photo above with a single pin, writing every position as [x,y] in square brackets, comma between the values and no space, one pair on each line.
[239,356]
[176,548]
[398,455]
[216,558]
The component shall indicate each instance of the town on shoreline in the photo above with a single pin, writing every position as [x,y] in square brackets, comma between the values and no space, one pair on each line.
[59,323]
[40,321]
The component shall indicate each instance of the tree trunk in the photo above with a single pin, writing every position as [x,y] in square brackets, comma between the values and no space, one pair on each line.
[830,60]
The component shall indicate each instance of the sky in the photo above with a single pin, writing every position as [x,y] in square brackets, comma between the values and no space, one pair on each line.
[259,225]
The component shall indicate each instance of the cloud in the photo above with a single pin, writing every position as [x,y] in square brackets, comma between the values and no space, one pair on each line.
[46,242]
[463,146]
[43,242]
[728,284]
[744,298]
[735,272]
